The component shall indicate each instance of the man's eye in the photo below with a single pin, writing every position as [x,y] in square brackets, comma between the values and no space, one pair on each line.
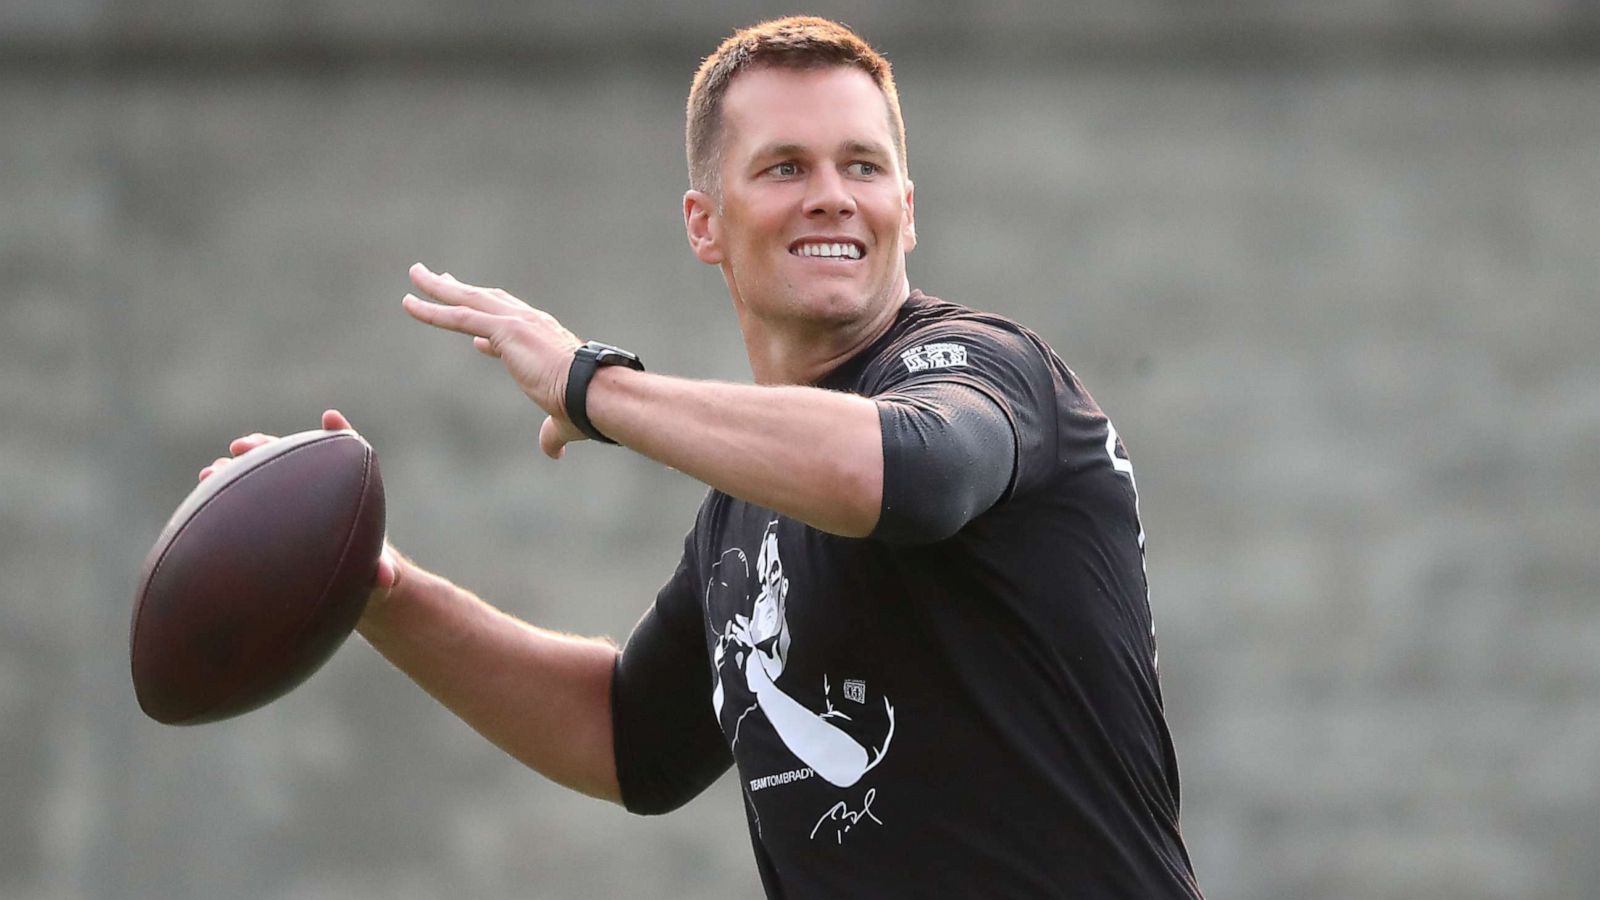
[863,169]
[786,170]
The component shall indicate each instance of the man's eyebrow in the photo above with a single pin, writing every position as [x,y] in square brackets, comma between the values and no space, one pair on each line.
[850,148]
[863,148]
[789,149]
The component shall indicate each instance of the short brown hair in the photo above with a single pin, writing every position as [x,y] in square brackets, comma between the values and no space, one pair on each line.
[796,42]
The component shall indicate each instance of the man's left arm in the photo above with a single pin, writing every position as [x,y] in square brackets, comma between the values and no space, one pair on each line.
[811,454]
[815,455]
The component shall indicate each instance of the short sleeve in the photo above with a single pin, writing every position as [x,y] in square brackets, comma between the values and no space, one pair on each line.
[666,739]
[948,455]
[1005,364]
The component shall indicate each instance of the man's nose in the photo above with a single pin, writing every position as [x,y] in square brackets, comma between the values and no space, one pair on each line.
[829,195]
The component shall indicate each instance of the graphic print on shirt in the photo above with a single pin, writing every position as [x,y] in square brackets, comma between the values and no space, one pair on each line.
[758,645]
[934,356]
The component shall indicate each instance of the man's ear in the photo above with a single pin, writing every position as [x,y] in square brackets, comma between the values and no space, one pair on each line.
[908,231]
[701,222]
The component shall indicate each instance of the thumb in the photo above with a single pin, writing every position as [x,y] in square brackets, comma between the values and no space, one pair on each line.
[551,440]
[333,420]
[388,569]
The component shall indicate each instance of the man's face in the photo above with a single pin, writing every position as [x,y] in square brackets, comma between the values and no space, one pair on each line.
[815,214]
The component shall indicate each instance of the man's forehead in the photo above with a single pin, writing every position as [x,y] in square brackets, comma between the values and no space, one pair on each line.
[770,109]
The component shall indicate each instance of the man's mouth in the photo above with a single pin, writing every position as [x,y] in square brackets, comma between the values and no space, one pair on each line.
[828,249]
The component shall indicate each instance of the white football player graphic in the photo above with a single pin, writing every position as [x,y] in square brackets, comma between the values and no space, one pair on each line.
[760,644]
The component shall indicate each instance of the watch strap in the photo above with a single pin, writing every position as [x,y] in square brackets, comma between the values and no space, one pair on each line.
[586,360]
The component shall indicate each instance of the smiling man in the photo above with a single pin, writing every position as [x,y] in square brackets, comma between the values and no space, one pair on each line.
[912,609]
[801,195]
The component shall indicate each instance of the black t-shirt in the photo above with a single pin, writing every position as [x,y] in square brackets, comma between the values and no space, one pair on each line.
[974,717]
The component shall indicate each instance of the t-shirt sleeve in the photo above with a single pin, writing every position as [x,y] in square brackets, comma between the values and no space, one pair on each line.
[948,455]
[1004,365]
[666,739]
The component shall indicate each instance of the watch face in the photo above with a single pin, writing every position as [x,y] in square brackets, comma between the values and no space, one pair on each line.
[607,355]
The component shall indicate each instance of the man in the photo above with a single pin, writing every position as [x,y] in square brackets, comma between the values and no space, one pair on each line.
[913,607]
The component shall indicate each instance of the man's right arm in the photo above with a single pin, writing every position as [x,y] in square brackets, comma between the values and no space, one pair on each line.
[541,696]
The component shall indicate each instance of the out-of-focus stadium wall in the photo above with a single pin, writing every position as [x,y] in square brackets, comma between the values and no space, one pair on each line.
[1333,268]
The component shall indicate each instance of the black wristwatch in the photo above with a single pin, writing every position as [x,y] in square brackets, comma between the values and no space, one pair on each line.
[585,361]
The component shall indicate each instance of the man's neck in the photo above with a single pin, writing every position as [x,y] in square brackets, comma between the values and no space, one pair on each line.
[803,353]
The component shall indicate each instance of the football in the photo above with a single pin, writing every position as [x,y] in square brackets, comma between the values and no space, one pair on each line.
[257,578]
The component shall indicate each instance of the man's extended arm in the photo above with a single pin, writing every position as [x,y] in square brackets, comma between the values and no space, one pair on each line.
[808,453]
[541,696]
[811,454]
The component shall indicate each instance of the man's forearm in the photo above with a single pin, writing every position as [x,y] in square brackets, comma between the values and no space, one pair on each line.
[543,697]
[812,454]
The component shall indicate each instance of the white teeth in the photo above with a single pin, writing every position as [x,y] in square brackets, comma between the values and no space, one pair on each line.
[846,251]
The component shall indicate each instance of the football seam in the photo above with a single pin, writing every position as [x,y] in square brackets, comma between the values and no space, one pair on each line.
[312,609]
[133,651]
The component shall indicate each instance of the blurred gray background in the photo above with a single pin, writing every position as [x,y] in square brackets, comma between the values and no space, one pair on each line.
[1331,267]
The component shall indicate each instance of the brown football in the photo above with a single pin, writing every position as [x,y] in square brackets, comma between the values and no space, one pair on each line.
[257,578]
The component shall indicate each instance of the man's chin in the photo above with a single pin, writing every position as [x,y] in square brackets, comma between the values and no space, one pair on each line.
[820,304]
[832,309]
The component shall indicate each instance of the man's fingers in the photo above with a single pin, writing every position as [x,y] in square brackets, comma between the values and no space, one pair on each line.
[332,420]
[483,346]
[446,289]
[241,445]
[462,319]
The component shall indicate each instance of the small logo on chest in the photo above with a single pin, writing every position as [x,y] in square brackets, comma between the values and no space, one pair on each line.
[855,689]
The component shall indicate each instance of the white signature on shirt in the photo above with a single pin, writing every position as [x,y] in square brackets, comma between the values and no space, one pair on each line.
[842,819]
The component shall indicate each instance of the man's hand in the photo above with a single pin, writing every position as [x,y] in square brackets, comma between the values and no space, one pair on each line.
[543,697]
[332,420]
[762,662]
[536,349]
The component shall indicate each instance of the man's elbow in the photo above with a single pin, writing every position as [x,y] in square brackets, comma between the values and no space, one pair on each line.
[655,805]
[862,500]
[659,790]
[925,522]
[854,499]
